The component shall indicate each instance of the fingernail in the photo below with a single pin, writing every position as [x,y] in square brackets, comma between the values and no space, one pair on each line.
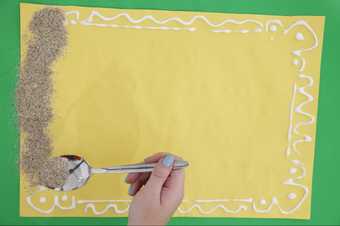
[130,190]
[168,160]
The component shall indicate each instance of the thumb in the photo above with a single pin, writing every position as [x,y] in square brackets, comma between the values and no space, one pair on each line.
[160,173]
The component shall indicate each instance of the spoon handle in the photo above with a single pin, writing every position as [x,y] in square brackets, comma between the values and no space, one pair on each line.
[136,168]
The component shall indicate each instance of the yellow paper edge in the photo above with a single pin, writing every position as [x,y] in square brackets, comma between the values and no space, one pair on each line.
[29,213]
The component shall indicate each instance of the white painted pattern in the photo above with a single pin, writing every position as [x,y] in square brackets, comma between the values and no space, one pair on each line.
[271,26]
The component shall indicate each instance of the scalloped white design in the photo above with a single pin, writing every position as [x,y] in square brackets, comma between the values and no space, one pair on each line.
[292,153]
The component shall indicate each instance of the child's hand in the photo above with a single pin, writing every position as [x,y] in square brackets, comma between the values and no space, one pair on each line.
[162,193]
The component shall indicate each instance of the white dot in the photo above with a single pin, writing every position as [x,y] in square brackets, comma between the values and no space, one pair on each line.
[296,62]
[299,36]
[263,202]
[273,28]
[308,138]
[297,52]
[73,22]
[291,196]
[292,170]
[42,199]
[64,198]
[296,161]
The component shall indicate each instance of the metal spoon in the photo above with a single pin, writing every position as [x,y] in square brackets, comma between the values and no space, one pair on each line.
[81,171]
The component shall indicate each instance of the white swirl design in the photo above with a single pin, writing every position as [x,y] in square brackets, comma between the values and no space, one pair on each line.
[292,152]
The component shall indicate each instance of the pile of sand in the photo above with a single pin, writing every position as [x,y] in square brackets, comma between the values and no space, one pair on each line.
[34,92]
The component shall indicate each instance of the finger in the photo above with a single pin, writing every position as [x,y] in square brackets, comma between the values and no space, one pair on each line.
[173,192]
[175,180]
[132,189]
[132,178]
[140,179]
[135,187]
[160,173]
[173,189]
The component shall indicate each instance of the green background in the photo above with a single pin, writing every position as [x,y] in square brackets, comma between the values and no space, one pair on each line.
[326,181]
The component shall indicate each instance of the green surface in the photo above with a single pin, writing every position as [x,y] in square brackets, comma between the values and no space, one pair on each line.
[326,182]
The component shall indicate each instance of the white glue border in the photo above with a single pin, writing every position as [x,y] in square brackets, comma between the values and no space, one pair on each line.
[297,171]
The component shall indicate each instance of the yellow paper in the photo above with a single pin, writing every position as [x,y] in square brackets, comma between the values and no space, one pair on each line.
[235,95]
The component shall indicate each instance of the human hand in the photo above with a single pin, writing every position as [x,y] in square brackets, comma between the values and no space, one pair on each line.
[156,195]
